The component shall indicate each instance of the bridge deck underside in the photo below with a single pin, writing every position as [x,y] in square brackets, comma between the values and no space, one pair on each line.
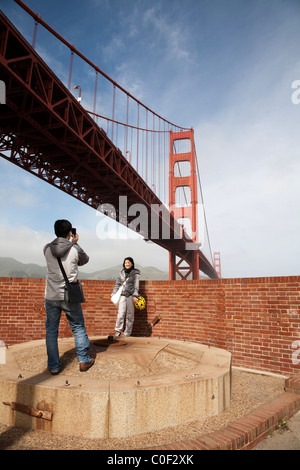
[44,130]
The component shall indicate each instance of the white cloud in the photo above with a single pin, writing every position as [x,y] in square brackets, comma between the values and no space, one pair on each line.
[129,80]
[110,249]
[23,244]
[169,35]
[26,245]
[18,197]
[252,195]
[114,47]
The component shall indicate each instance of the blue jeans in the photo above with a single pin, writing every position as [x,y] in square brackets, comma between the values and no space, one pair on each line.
[76,320]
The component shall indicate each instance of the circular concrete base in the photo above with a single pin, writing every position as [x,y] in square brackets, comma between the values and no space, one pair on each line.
[143,385]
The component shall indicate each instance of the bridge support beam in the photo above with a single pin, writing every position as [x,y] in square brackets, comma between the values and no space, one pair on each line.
[185,267]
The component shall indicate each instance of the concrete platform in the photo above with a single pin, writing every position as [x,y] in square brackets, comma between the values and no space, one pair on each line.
[136,386]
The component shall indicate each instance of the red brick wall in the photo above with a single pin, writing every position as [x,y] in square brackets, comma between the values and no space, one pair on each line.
[256,319]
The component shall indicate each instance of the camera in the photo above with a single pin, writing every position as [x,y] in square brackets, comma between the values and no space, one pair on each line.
[73,231]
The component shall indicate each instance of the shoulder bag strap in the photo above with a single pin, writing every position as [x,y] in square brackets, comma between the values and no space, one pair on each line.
[63,271]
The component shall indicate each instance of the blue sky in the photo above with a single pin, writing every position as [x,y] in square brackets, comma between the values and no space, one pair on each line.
[224,67]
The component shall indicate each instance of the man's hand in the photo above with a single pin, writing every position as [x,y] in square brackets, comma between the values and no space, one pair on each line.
[75,238]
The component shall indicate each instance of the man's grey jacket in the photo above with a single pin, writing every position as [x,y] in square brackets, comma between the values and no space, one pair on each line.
[72,256]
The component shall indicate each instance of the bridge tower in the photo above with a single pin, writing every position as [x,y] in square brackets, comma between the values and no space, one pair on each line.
[183,200]
[217,263]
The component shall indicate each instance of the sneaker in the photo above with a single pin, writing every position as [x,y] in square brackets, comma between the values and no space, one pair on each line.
[117,334]
[54,371]
[84,366]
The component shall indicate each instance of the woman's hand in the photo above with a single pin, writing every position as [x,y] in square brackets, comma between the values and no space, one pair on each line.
[134,299]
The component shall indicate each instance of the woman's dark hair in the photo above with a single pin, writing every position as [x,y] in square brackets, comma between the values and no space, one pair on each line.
[62,228]
[129,259]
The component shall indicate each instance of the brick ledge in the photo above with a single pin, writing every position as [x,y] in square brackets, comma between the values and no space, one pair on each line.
[248,431]
[292,384]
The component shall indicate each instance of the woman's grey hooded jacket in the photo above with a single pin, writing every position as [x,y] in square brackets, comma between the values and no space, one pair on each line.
[132,284]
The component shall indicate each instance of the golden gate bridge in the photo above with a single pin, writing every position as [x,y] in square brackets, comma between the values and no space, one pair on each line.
[107,148]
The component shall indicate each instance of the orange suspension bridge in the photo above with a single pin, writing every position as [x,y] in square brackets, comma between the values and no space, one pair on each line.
[121,159]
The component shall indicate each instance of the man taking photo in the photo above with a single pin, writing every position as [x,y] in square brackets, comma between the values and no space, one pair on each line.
[66,248]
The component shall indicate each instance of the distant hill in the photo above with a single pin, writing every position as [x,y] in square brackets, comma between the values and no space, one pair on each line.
[9,267]
[147,274]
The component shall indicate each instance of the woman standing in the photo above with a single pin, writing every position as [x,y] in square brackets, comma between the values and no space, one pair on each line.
[128,298]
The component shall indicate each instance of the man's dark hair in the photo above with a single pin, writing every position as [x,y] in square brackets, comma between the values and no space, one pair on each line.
[62,228]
